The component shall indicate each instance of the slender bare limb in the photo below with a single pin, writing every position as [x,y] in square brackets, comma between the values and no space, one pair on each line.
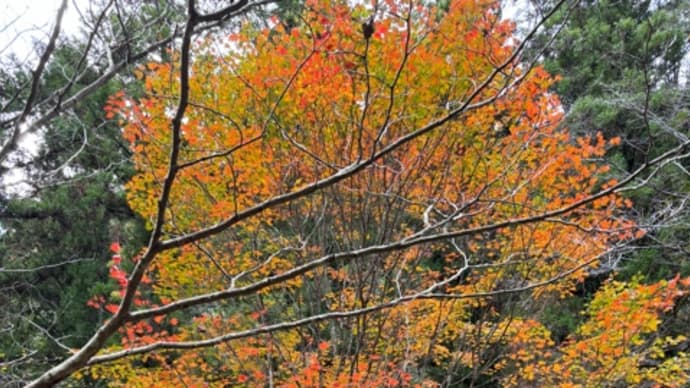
[11,143]
[428,293]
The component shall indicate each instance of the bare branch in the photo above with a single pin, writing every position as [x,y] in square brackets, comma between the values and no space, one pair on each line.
[428,293]
[11,143]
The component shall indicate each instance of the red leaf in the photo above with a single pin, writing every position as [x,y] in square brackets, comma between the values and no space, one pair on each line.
[111,308]
[115,247]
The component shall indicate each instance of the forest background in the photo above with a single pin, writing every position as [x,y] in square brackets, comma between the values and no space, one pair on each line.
[328,194]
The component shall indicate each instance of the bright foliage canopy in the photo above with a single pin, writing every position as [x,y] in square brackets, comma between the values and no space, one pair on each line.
[466,192]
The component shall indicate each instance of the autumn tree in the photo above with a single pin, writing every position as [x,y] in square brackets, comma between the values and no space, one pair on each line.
[376,195]
[620,342]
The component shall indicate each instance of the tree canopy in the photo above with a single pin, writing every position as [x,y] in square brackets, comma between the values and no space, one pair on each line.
[384,194]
